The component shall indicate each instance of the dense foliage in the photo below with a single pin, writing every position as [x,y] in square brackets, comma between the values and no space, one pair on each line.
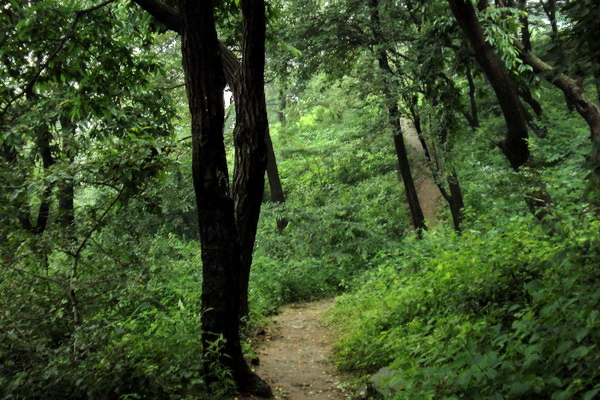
[100,271]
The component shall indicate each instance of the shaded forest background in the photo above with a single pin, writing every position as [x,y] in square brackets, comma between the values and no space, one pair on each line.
[101,275]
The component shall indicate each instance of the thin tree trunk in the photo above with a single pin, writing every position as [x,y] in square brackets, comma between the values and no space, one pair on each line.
[456,202]
[514,146]
[277,194]
[416,213]
[550,10]
[526,95]
[525,33]
[454,198]
[66,187]
[474,114]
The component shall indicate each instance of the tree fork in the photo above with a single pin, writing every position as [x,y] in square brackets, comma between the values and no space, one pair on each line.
[219,234]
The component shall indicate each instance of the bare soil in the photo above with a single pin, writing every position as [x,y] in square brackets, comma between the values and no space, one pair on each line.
[294,354]
[428,193]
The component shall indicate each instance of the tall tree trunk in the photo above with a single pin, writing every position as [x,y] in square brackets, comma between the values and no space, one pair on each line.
[221,252]
[454,198]
[416,213]
[525,33]
[277,193]
[66,187]
[455,201]
[514,145]
[250,139]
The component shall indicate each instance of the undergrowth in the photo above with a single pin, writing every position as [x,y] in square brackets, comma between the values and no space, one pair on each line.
[510,312]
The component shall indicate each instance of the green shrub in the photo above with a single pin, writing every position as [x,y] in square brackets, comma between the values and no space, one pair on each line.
[508,313]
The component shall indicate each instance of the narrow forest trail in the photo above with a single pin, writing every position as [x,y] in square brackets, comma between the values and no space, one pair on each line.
[294,354]
[428,193]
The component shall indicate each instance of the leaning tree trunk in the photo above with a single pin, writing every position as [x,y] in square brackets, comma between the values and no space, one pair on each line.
[218,232]
[514,145]
[454,198]
[277,194]
[416,213]
[473,116]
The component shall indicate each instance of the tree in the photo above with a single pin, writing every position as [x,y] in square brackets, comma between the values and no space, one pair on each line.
[514,146]
[227,218]
[416,213]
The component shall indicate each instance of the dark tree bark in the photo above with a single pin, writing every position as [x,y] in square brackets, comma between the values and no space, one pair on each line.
[550,10]
[220,250]
[66,187]
[514,145]
[455,201]
[525,33]
[232,69]
[416,213]
[66,194]
[277,194]
[227,219]
[473,117]
[250,139]
[526,95]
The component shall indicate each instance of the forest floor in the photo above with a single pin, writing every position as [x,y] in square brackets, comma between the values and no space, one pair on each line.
[294,354]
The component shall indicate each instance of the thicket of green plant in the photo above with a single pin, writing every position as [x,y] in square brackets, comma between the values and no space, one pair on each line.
[508,309]
[344,200]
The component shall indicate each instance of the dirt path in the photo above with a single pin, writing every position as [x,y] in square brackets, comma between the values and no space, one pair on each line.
[294,355]
[428,193]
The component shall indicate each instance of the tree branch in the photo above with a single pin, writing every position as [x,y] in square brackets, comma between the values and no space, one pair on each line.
[166,15]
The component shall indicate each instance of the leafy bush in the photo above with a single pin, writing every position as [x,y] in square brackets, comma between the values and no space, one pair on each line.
[506,313]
